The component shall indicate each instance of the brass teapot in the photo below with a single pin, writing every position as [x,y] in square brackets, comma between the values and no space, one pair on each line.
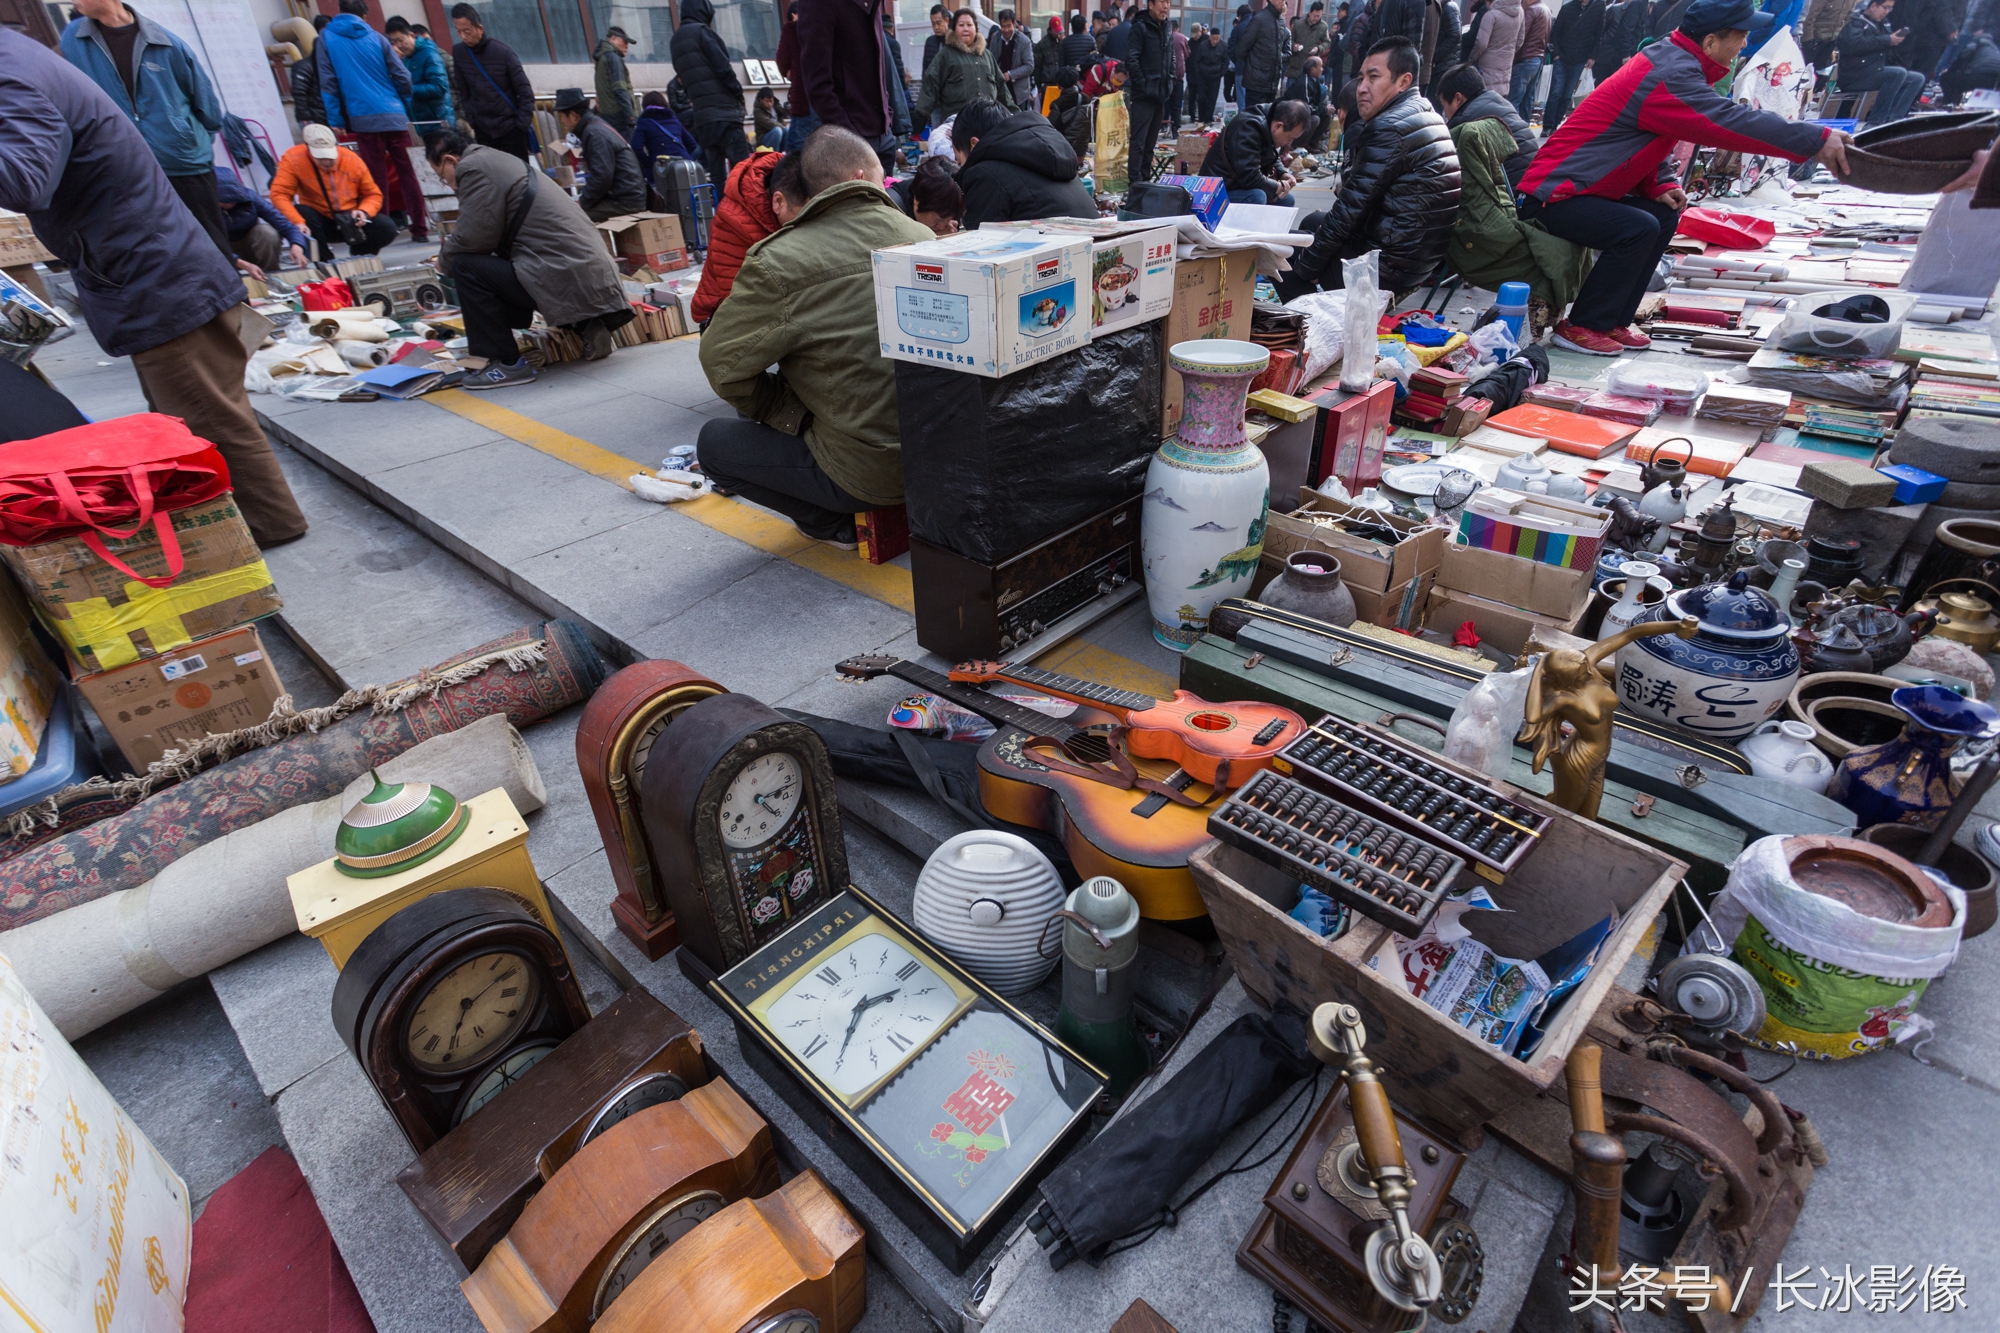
[1962,616]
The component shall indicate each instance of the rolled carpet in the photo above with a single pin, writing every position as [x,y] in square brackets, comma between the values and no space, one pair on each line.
[108,956]
[144,825]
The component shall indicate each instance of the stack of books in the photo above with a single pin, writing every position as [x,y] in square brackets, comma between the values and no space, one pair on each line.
[1432,392]
[1841,421]
[1562,397]
[1937,396]
[1618,407]
[1745,405]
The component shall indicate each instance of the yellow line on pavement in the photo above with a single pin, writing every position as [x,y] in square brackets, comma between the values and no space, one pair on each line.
[769,532]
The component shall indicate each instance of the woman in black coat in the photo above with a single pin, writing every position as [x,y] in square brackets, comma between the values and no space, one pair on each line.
[1013,166]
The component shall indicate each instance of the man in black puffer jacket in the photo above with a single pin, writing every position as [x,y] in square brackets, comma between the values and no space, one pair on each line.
[1013,166]
[1260,60]
[1400,195]
[1149,76]
[1245,154]
[708,76]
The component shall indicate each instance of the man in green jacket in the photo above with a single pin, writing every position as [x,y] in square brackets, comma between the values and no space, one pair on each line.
[1491,243]
[615,104]
[823,441]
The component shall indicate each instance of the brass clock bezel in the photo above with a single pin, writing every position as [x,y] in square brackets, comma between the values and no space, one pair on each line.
[845,1113]
[661,709]
[597,1301]
[597,1124]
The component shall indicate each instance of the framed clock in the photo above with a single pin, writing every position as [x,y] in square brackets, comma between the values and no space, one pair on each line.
[946,1099]
[623,721]
[450,1001]
[745,827]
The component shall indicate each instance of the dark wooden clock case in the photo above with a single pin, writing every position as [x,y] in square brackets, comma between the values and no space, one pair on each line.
[1310,1248]
[681,803]
[621,710]
[472,1184]
[406,955]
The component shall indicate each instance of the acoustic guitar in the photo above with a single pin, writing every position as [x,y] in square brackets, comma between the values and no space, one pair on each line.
[1141,839]
[1223,745]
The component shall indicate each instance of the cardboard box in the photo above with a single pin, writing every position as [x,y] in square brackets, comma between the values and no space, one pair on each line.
[665,261]
[1568,533]
[1131,267]
[1496,576]
[1211,300]
[18,242]
[105,619]
[27,684]
[1505,627]
[642,234]
[1210,196]
[219,684]
[1364,565]
[1189,152]
[985,302]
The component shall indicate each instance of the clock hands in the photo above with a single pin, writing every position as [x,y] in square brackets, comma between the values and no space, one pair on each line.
[860,1009]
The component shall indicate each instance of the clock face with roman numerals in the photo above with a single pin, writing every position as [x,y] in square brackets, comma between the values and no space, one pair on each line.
[472,1010]
[862,1010]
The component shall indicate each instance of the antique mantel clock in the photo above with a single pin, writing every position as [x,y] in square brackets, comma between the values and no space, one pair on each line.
[621,724]
[451,1000]
[744,828]
[949,1102]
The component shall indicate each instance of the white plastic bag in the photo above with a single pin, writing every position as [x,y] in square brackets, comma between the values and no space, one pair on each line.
[1361,280]
[1488,718]
[1326,330]
[1493,343]
[1836,982]
[1805,331]
[669,485]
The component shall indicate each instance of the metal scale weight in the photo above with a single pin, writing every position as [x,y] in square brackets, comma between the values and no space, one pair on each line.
[1362,1235]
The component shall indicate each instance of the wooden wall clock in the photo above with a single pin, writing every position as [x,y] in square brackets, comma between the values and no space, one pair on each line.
[452,999]
[622,722]
[472,1184]
[745,826]
[617,1206]
[791,1262]
[946,1099]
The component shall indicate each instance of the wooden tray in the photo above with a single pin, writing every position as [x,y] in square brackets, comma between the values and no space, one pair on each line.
[1578,873]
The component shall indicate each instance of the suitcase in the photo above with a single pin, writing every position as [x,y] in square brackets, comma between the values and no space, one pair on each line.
[686,192]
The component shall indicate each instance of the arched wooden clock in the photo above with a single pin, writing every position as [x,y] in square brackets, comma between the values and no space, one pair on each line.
[451,1000]
[745,826]
[621,724]
[625,1198]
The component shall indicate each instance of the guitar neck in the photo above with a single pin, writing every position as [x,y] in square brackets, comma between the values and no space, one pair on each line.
[1079,690]
[994,709]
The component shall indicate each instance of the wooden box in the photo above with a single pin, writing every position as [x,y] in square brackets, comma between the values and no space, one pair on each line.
[339,910]
[1579,873]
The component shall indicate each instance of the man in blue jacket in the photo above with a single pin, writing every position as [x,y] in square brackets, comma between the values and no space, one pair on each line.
[152,76]
[429,103]
[151,285]
[365,86]
[256,228]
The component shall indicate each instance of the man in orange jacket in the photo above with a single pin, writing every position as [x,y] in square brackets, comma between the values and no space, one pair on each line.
[328,192]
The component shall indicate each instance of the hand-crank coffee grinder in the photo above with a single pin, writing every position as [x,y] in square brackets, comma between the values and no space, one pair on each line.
[1360,1235]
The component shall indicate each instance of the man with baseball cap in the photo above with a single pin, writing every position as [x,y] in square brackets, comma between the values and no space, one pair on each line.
[326,191]
[1604,179]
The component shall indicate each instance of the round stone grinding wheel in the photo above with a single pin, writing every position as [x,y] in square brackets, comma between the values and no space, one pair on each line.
[1716,992]
[1957,449]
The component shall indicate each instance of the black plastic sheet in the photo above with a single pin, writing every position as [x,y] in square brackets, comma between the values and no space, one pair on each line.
[993,466]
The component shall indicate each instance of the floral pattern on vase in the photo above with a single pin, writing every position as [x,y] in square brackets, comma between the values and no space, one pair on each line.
[1207,494]
[1909,780]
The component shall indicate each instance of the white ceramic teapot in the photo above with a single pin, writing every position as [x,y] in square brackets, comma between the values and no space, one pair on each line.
[1785,751]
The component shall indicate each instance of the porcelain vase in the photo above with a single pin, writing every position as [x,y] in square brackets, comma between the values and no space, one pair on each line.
[1207,491]
[1631,603]
[1784,752]
[1909,780]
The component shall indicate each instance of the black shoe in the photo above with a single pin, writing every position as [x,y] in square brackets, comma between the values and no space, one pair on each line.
[597,340]
[841,535]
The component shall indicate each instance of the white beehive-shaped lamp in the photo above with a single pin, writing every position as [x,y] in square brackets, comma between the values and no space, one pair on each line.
[986,898]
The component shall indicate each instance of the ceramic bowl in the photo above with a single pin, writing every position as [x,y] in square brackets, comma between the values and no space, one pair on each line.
[1967,870]
[1849,695]
[1895,175]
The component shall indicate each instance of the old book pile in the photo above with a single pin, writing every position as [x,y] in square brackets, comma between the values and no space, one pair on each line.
[1618,407]
[1937,396]
[1875,383]
[1432,392]
[1562,397]
[1745,405]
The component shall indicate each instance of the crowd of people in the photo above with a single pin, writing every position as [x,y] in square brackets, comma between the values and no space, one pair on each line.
[1432,114]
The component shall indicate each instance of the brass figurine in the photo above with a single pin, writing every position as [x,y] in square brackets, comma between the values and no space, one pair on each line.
[1571,686]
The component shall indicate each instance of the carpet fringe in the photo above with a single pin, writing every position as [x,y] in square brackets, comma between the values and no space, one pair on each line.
[285,721]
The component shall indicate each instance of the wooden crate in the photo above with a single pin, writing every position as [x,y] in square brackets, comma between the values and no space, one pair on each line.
[1431,1065]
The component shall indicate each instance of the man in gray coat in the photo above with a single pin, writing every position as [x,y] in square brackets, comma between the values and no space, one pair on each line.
[152,285]
[521,245]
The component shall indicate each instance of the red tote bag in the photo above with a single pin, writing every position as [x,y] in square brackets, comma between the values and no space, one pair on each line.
[108,479]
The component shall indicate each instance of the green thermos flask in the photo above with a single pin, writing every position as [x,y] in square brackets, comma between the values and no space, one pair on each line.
[1100,944]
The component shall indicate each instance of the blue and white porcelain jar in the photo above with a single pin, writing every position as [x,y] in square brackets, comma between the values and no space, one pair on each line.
[1725,681]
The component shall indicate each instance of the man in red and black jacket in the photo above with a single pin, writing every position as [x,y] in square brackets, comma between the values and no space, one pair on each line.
[1604,178]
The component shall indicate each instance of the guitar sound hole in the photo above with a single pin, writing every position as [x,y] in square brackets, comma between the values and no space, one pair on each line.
[1211,721]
